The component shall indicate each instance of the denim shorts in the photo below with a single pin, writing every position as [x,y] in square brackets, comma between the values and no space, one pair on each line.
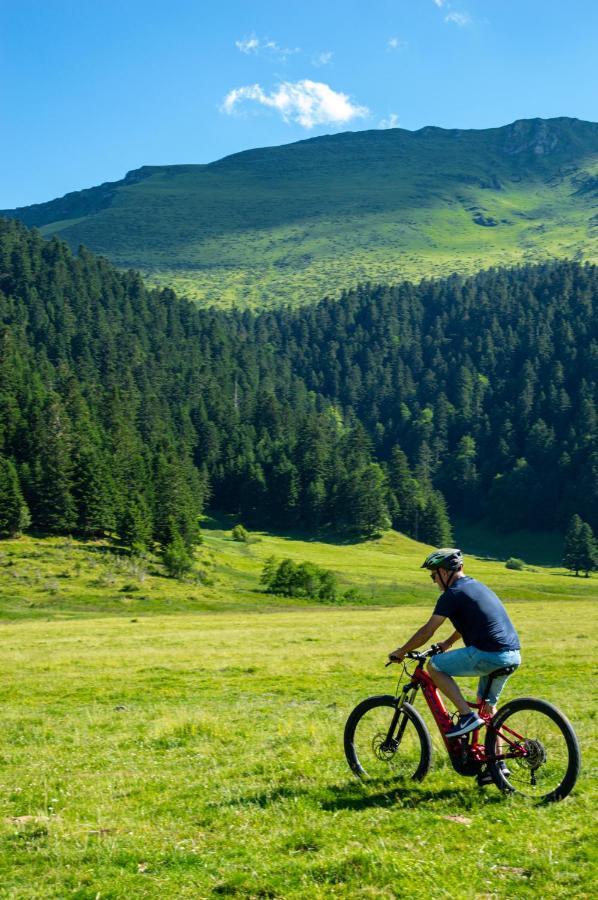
[471,661]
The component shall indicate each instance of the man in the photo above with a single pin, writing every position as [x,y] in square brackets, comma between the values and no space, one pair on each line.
[478,616]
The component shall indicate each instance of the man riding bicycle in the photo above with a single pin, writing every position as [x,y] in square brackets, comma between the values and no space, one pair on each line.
[479,617]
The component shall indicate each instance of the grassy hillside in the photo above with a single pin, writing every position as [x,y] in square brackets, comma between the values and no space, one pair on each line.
[297,222]
[58,577]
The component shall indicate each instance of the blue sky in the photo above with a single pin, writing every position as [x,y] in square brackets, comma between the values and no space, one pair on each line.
[90,89]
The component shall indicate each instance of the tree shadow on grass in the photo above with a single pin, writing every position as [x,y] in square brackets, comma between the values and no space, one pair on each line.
[218,521]
[350,796]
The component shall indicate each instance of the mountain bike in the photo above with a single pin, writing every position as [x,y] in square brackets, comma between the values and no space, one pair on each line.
[529,746]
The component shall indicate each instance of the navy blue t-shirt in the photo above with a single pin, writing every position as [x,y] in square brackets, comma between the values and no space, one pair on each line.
[478,615]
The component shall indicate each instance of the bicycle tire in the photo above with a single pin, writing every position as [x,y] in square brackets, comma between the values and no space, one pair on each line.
[420,760]
[558,780]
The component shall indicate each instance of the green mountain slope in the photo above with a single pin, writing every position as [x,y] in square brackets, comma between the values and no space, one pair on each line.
[296,222]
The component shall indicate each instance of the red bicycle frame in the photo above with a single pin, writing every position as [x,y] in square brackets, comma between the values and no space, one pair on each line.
[475,750]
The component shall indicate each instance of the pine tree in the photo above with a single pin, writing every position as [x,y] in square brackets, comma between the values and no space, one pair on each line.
[588,551]
[363,507]
[435,526]
[406,492]
[93,491]
[572,554]
[269,572]
[54,506]
[314,503]
[14,513]
[462,476]
[135,525]
[176,557]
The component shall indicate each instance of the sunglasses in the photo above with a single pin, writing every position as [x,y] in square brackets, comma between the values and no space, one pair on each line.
[433,576]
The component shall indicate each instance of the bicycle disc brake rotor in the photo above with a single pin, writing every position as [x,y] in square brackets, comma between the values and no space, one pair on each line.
[383,748]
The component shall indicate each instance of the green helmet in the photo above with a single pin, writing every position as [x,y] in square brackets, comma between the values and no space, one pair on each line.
[449,558]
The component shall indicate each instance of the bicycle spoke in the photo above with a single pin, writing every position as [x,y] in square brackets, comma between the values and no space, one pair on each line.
[384,755]
[536,753]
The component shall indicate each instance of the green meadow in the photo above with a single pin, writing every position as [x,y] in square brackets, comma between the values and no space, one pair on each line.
[65,578]
[184,739]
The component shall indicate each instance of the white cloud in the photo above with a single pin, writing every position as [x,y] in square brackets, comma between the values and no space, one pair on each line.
[254,44]
[391,121]
[305,102]
[394,43]
[322,59]
[248,45]
[460,19]
[439,3]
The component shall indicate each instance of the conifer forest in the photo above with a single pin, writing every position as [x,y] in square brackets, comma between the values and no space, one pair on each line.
[127,411]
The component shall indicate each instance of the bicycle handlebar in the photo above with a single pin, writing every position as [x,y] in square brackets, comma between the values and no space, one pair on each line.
[415,654]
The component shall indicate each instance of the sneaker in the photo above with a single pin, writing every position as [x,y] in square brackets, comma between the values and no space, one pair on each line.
[484,776]
[465,724]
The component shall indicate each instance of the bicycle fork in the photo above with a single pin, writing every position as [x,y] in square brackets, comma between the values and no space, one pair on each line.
[393,743]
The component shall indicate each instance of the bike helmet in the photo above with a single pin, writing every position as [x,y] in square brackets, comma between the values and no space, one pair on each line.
[449,558]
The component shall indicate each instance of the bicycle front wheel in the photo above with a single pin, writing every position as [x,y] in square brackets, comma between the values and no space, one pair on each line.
[384,742]
[540,750]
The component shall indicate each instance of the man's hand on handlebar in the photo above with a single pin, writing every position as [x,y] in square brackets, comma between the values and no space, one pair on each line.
[398,655]
[444,646]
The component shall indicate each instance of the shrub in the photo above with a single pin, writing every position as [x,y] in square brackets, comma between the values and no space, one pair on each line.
[289,579]
[240,534]
[514,563]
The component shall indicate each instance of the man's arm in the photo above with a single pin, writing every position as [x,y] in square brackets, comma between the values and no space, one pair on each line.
[449,641]
[421,636]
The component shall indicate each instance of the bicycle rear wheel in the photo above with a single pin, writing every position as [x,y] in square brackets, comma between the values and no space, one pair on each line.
[540,750]
[384,743]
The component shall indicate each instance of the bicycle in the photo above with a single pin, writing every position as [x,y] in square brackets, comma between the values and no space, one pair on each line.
[529,747]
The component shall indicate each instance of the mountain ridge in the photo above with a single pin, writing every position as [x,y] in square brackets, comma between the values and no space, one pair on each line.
[301,220]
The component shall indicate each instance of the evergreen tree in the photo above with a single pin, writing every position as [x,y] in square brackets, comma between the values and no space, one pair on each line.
[462,477]
[435,526]
[176,557]
[572,554]
[406,493]
[362,507]
[14,513]
[588,551]
[53,505]
[93,493]
[269,572]
[135,525]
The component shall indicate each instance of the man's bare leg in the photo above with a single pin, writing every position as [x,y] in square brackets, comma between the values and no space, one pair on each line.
[490,710]
[450,689]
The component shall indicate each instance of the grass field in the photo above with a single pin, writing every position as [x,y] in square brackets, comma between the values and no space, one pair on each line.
[199,754]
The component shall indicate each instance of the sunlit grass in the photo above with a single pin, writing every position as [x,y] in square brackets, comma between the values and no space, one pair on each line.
[197,756]
[65,578]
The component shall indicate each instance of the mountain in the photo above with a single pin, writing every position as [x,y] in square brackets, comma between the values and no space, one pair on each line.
[297,222]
